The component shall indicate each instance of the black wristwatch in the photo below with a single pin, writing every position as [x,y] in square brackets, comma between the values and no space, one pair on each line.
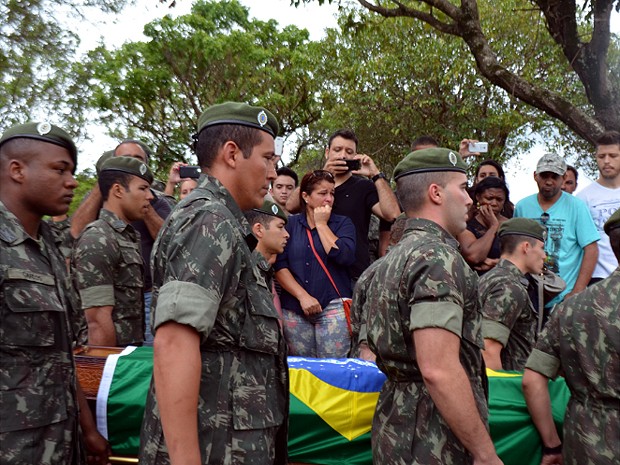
[378,176]
[551,450]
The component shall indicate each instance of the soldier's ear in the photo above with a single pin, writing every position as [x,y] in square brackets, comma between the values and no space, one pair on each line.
[230,152]
[17,170]
[258,230]
[435,193]
[117,190]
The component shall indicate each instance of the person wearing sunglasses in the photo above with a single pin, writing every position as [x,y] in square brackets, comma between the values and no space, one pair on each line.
[571,244]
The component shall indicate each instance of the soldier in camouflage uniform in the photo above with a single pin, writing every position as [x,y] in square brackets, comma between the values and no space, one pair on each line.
[220,390]
[39,395]
[424,326]
[509,320]
[107,266]
[581,341]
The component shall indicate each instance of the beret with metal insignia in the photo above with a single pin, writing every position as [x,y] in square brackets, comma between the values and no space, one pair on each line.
[45,132]
[613,222]
[430,160]
[273,209]
[241,114]
[523,227]
[128,165]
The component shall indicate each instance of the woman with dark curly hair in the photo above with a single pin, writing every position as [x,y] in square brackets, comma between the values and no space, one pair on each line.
[479,242]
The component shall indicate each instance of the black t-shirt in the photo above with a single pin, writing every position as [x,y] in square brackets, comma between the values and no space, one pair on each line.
[355,199]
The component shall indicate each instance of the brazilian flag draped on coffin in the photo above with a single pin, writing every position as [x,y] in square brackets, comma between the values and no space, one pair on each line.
[332,403]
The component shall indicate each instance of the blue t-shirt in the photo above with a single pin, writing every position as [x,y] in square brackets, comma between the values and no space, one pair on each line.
[569,229]
[305,268]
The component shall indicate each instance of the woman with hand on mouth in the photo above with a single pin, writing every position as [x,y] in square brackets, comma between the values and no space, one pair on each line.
[320,244]
[479,242]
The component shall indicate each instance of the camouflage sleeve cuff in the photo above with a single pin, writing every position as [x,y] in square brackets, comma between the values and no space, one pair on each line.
[543,363]
[97,296]
[188,304]
[446,315]
[495,330]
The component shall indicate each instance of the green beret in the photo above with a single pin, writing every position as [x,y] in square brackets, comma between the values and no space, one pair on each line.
[45,132]
[106,156]
[613,222]
[273,209]
[523,227]
[430,160]
[239,113]
[128,165]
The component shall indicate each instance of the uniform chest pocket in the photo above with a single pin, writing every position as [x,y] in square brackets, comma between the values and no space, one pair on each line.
[261,330]
[32,313]
[131,266]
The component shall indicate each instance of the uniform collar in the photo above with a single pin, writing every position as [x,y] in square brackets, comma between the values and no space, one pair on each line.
[113,220]
[11,230]
[430,227]
[220,193]
[512,269]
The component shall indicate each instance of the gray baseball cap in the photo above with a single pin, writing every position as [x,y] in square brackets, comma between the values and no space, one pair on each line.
[550,162]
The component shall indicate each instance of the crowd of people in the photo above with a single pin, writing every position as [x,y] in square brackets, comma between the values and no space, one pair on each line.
[250,265]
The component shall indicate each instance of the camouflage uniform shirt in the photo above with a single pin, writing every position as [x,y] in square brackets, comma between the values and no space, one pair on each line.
[108,269]
[205,276]
[38,404]
[582,341]
[508,314]
[424,282]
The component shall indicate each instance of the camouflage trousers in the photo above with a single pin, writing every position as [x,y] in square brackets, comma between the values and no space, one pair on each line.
[54,444]
[323,335]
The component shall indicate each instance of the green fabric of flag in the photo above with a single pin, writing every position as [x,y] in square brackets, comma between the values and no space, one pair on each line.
[312,439]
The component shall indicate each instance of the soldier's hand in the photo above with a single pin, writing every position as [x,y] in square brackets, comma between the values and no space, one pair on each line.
[310,305]
[97,449]
[552,459]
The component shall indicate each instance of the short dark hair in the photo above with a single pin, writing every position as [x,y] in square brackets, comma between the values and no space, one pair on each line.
[310,180]
[145,148]
[424,140]
[348,134]
[212,138]
[412,189]
[494,164]
[108,178]
[573,170]
[286,171]
[608,138]
[509,243]
[491,182]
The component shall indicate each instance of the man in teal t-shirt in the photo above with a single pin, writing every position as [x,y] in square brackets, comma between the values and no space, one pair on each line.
[571,246]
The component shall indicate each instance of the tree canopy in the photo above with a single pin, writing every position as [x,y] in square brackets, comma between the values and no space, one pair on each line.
[36,52]
[581,31]
[155,90]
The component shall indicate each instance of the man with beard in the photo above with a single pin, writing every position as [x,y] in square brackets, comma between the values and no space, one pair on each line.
[571,246]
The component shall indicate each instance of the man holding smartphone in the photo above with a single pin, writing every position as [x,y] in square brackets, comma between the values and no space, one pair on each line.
[356,197]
